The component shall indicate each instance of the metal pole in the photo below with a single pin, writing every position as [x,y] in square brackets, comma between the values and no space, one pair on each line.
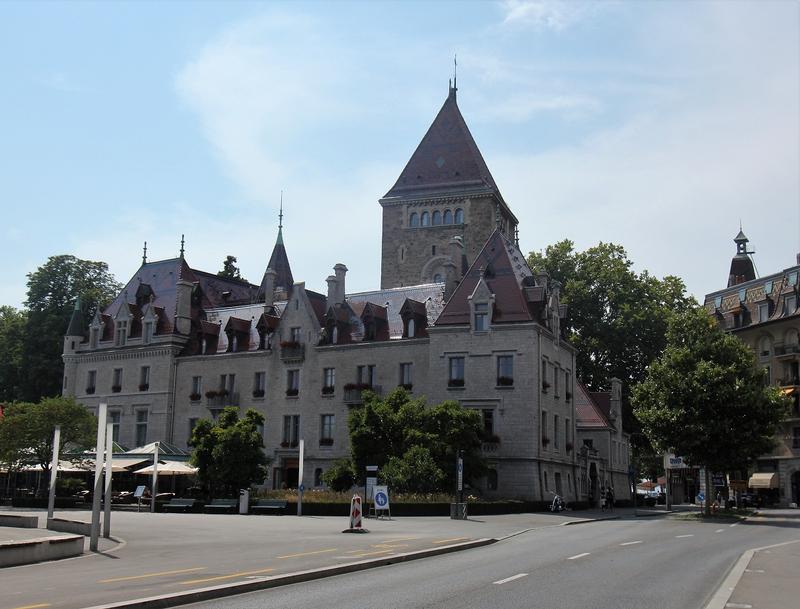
[154,482]
[51,500]
[98,476]
[300,478]
[107,498]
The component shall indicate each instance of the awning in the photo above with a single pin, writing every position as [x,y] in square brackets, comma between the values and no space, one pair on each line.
[763,481]
[789,390]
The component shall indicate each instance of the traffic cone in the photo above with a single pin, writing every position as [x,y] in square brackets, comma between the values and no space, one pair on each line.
[355,516]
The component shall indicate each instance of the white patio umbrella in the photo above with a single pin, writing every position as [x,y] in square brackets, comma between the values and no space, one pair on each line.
[169,468]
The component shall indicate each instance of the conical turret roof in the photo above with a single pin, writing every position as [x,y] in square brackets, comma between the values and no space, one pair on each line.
[76,321]
[279,262]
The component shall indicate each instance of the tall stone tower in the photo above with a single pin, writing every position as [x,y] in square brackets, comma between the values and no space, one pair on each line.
[445,191]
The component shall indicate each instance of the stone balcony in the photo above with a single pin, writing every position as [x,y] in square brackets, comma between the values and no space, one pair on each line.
[352,395]
[293,352]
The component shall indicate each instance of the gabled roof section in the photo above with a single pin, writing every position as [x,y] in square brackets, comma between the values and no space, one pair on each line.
[506,274]
[221,291]
[429,294]
[588,414]
[446,159]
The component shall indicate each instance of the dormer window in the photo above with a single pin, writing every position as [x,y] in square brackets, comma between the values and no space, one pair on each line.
[763,312]
[94,337]
[411,328]
[147,332]
[121,335]
[481,317]
[789,304]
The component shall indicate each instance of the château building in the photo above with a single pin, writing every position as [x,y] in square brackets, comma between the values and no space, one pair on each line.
[459,316]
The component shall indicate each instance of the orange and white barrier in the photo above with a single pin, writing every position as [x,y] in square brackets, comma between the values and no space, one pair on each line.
[355,512]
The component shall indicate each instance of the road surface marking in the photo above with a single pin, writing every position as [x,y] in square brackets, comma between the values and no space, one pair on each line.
[449,540]
[682,536]
[308,553]
[733,525]
[719,530]
[33,606]
[399,539]
[630,543]
[389,545]
[371,553]
[754,570]
[231,576]
[579,556]
[510,579]
[739,606]
[146,575]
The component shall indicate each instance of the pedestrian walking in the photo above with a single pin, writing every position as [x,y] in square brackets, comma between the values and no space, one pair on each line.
[610,498]
[603,499]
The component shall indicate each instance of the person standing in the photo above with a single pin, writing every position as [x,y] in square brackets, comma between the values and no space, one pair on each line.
[610,498]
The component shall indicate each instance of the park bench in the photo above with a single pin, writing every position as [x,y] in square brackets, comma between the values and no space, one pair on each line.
[180,505]
[269,506]
[221,506]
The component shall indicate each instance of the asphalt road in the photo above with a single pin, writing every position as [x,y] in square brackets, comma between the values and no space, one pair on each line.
[641,564]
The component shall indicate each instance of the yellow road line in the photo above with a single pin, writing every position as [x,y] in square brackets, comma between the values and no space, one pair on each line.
[309,553]
[371,553]
[146,575]
[231,576]
[33,606]
[390,545]
[448,540]
[400,539]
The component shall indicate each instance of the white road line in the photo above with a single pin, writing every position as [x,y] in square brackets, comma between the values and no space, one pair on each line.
[630,543]
[510,579]
[681,536]
[719,530]
[579,556]
[733,525]
[754,570]
[738,606]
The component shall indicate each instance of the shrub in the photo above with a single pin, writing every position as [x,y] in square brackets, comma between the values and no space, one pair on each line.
[67,487]
[341,476]
[415,472]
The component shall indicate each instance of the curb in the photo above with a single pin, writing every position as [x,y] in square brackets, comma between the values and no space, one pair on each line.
[265,583]
[585,520]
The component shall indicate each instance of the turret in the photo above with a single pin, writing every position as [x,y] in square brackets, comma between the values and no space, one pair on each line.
[742,268]
[72,340]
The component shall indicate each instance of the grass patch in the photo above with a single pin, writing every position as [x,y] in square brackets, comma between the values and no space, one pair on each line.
[718,516]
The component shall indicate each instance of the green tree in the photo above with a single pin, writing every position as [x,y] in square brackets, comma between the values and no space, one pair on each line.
[229,269]
[230,453]
[26,430]
[341,476]
[705,398]
[52,290]
[12,341]
[383,432]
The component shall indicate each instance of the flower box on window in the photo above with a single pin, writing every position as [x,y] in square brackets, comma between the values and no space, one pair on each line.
[211,393]
[545,440]
[116,388]
[328,389]
[455,383]
[505,381]
[358,386]
[194,397]
[90,390]
[258,393]
[292,392]
[326,441]
[144,386]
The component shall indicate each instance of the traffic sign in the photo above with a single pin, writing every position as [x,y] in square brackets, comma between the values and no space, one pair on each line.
[302,487]
[701,496]
[381,498]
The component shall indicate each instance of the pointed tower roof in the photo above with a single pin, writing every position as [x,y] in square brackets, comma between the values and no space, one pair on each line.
[278,262]
[446,159]
[742,268]
[75,327]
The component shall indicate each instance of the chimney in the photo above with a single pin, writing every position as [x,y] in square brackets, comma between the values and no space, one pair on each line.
[542,279]
[332,289]
[269,287]
[615,404]
[798,258]
[451,279]
[340,270]
[183,307]
[457,255]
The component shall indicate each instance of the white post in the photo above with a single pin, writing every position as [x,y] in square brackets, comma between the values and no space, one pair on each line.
[154,482]
[51,500]
[300,479]
[98,476]
[107,500]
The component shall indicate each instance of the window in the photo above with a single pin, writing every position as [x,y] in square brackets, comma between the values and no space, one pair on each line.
[588,443]
[411,329]
[121,335]
[144,378]
[426,219]
[546,485]
[259,384]
[141,428]
[114,417]
[116,380]
[481,314]
[291,430]
[763,312]
[488,421]
[448,216]
[433,250]
[557,479]
[459,216]
[292,382]
[545,439]
[326,429]
[764,346]
[406,375]
[613,452]
[192,425]
[147,332]
[366,375]
[413,221]
[491,480]
[91,381]
[545,384]
[437,218]
[295,335]
[767,376]
[567,436]
[318,477]
[567,385]
[197,387]
[555,381]
[555,431]
[456,372]
[505,370]
[789,305]
[328,380]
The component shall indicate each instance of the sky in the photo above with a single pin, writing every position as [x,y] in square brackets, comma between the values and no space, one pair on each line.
[655,125]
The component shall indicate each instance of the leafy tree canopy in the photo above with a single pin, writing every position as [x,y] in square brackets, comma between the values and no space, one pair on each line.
[229,453]
[229,269]
[26,430]
[52,290]
[415,445]
[705,399]
[12,341]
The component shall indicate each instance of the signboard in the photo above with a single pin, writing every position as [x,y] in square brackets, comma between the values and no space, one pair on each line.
[673,462]
[460,471]
[381,498]
[718,480]
[371,482]
[701,496]
[139,492]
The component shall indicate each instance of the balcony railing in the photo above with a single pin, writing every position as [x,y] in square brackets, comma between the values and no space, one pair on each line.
[293,352]
[787,350]
[221,399]
[352,395]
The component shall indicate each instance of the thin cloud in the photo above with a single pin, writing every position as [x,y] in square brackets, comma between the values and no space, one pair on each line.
[542,14]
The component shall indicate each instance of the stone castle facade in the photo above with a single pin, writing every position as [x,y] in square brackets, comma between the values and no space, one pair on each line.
[459,316]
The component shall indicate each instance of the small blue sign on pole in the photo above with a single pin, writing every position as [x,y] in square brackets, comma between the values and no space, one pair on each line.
[302,488]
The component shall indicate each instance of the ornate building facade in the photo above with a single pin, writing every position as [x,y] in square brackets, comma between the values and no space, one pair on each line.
[459,316]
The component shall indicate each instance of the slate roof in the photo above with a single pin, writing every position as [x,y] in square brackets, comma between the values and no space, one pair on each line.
[278,262]
[587,412]
[508,276]
[431,294]
[447,158]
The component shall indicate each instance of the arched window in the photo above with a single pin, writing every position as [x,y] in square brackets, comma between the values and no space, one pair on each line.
[437,218]
[764,346]
[411,328]
[335,335]
[459,216]
[792,337]
[448,216]
[414,220]
[426,219]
